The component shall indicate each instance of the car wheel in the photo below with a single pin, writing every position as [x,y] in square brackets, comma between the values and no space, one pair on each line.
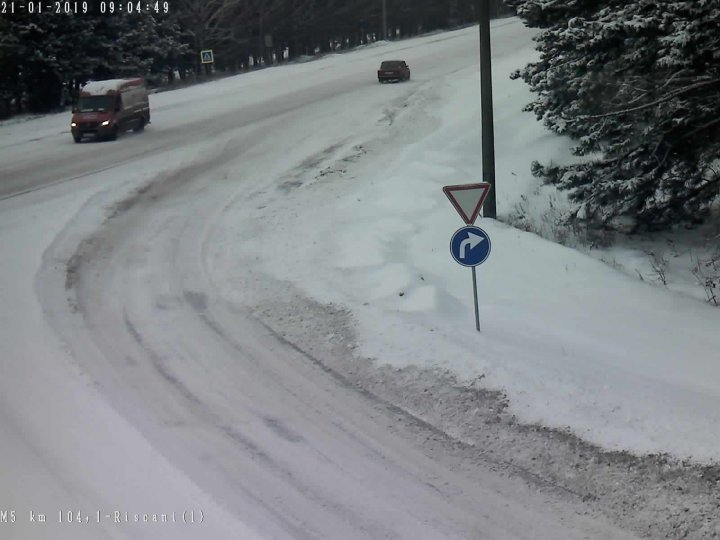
[77,138]
[140,126]
[113,134]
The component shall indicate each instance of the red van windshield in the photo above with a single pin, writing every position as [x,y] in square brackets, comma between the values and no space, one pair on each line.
[96,103]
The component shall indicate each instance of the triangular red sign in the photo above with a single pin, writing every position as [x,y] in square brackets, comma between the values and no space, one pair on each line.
[468,199]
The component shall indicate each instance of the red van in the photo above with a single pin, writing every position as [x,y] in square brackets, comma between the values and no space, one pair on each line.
[107,108]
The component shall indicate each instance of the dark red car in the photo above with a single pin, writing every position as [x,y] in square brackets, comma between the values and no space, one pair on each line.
[393,70]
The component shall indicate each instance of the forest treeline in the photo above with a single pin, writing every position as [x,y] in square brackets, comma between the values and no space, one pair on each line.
[45,57]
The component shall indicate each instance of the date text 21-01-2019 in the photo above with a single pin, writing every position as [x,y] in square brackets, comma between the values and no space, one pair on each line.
[74,7]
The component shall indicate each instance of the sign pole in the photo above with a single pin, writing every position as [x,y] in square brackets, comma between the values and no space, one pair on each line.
[384,20]
[475,296]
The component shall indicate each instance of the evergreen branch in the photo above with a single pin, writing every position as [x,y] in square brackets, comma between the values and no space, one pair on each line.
[669,80]
[670,96]
[701,128]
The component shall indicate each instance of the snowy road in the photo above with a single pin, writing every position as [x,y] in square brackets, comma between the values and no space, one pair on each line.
[134,381]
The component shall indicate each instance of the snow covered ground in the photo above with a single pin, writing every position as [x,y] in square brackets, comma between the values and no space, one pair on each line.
[573,342]
[125,262]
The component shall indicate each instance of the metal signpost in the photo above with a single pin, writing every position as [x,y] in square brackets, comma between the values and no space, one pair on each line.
[470,245]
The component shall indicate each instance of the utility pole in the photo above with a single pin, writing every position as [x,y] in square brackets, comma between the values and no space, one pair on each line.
[261,42]
[384,20]
[486,102]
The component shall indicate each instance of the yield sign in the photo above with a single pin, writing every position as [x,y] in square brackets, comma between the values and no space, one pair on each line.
[467,199]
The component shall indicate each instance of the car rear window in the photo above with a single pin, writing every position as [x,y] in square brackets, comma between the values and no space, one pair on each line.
[391,64]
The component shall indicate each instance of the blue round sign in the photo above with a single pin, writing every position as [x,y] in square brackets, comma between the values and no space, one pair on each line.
[470,246]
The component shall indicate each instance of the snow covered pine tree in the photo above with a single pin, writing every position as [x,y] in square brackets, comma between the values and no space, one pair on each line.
[42,53]
[637,84]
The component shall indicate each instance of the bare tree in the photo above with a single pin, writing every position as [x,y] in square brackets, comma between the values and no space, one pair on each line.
[227,24]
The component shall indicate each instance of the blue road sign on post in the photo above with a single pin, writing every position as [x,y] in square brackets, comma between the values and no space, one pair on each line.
[470,246]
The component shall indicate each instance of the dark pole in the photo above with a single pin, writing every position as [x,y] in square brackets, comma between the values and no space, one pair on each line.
[486,100]
[384,19]
[261,44]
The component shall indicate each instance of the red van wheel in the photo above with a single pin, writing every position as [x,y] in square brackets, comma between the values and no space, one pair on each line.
[140,126]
